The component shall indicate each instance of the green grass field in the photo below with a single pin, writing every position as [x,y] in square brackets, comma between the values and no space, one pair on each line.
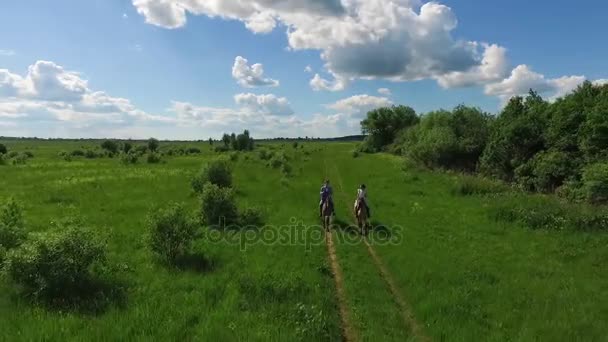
[462,275]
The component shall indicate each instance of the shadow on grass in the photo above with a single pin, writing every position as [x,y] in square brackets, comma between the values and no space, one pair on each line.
[92,297]
[195,262]
[342,226]
[379,227]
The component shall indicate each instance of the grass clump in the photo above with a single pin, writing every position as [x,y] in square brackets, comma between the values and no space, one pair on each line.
[545,212]
[251,217]
[171,232]
[153,158]
[471,185]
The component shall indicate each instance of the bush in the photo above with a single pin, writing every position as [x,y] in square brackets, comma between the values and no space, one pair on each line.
[129,158]
[471,185]
[2,159]
[286,169]
[77,153]
[28,154]
[193,150]
[217,172]
[264,154]
[140,149]
[12,228]
[90,154]
[12,154]
[234,156]
[127,147]
[20,159]
[3,149]
[221,148]
[171,232]
[251,217]
[111,146]
[595,183]
[153,158]
[278,160]
[153,144]
[218,207]
[56,265]
[355,154]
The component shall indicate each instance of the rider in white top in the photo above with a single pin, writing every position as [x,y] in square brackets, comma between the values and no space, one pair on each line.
[362,195]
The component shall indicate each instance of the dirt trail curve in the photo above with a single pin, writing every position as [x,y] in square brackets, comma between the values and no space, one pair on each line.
[405,308]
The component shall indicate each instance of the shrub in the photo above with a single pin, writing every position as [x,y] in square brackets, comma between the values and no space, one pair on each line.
[193,150]
[221,148]
[295,144]
[111,146]
[2,160]
[77,153]
[28,154]
[251,217]
[153,158]
[217,172]
[141,149]
[286,169]
[12,154]
[355,154]
[153,144]
[12,228]
[218,207]
[595,183]
[264,154]
[127,147]
[278,160]
[234,156]
[90,154]
[171,232]
[56,264]
[20,159]
[129,158]
[3,149]
[471,185]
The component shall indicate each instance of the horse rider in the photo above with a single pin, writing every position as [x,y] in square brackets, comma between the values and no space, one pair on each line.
[326,195]
[362,199]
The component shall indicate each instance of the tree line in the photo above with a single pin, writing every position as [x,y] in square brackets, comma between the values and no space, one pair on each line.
[540,146]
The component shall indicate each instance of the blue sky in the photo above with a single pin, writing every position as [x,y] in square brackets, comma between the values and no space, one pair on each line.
[134,69]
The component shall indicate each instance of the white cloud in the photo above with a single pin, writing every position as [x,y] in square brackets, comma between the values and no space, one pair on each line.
[398,40]
[494,67]
[251,76]
[48,92]
[523,78]
[600,82]
[308,69]
[125,16]
[357,106]
[319,84]
[385,92]
[268,104]
[7,53]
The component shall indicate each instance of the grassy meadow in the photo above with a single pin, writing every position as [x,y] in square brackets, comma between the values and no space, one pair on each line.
[463,274]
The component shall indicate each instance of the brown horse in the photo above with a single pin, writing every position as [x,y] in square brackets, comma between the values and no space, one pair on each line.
[362,217]
[326,211]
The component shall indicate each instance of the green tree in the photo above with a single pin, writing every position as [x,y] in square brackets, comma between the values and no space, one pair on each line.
[382,124]
[111,146]
[153,144]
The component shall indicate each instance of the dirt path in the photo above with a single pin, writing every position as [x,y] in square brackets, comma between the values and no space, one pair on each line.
[404,307]
[348,332]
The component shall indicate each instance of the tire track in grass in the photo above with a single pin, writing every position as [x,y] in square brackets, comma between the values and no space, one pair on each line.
[404,308]
[348,332]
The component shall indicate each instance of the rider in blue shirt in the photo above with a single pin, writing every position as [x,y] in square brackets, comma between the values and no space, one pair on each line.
[326,195]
